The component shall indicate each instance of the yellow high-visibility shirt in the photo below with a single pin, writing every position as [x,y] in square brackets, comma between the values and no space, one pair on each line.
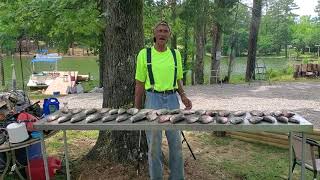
[162,64]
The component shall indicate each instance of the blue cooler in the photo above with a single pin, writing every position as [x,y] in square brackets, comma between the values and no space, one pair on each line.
[34,151]
[50,105]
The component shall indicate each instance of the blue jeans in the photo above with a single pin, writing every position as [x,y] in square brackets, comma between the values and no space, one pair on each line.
[154,139]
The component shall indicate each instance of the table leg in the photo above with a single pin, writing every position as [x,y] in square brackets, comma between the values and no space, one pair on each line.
[44,156]
[8,160]
[303,148]
[66,153]
[290,155]
[28,164]
[14,163]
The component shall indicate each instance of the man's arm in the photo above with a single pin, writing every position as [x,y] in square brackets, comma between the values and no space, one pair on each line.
[138,94]
[183,96]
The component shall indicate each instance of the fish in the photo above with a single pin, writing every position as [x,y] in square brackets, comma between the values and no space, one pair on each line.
[93,117]
[176,118]
[188,112]
[192,118]
[146,111]
[132,111]
[222,120]
[121,111]
[152,116]
[137,117]
[90,111]
[295,119]
[211,113]
[104,110]
[277,114]
[239,113]
[257,113]
[54,116]
[65,110]
[76,111]
[164,118]
[269,119]
[162,112]
[236,120]
[113,111]
[223,113]
[200,112]
[122,117]
[78,117]
[205,119]
[255,119]
[174,111]
[282,119]
[288,114]
[64,118]
[109,117]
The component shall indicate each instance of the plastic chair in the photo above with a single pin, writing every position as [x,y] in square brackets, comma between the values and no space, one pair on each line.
[312,161]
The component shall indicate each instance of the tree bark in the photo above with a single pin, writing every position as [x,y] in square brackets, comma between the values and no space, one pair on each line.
[231,56]
[200,46]
[173,17]
[253,38]
[216,52]
[101,60]
[2,71]
[123,40]
[185,52]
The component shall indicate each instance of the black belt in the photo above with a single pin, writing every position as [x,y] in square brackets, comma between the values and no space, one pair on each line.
[162,92]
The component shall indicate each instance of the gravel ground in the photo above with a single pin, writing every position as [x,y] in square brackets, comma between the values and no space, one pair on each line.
[302,97]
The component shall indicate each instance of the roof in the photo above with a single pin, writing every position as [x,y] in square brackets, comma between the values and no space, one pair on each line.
[54,57]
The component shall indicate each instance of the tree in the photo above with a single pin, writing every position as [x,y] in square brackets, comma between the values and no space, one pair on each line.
[253,37]
[123,40]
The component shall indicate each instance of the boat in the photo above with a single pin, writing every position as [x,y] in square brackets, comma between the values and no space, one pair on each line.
[42,79]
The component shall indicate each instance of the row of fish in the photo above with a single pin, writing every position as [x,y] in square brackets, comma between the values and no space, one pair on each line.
[173,116]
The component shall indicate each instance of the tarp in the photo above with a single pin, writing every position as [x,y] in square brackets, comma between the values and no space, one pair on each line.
[54,57]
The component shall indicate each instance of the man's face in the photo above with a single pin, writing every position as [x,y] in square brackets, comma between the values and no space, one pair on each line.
[162,34]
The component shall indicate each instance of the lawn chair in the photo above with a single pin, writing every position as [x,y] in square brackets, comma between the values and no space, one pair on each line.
[312,161]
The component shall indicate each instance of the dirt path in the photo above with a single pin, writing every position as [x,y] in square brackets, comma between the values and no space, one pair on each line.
[303,98]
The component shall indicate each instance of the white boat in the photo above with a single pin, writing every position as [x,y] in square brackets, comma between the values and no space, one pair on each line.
[42,79]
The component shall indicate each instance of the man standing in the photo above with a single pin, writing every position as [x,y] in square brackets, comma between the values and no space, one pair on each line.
[159,73]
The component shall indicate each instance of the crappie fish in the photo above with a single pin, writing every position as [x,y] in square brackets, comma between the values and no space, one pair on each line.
[222,120]
[122,117]
[164,118]
[54,116]
[64,118]
[152,116]
[269,119]
[200,112]
[288,114]
[282,119]
[76,111]
[104,110]
[257,113]
[255,119]
[188,112]
[174,111]
[137,117]
[236,120]
[192,118]
[146,111]
[176,118]
[223,113]
[205,119]
[113,111]
[132,111]
[78,117]
[90,111]
[93,117]
[162,112]
[109,117]
[211,113]
[121,111]
[295,119]
[239,113]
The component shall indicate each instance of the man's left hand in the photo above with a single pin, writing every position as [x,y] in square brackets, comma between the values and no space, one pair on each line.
[186,102]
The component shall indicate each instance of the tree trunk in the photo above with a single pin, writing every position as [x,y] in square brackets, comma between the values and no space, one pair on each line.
[185,52]
[231,56]
[216,52]
[253,38]
[123,40]
[2,71]
[192,70]
[101,60]
[200,46]
[173,17]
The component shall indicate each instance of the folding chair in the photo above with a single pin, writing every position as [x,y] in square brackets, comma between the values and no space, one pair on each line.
[312,161]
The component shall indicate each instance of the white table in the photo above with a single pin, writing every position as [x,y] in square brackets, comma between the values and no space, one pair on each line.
[303,127]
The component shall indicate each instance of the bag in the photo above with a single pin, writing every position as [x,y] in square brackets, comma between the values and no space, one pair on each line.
[28,119]
[37,168]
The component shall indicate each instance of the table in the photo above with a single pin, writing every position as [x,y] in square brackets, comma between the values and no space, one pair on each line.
[303,127]
[10,148]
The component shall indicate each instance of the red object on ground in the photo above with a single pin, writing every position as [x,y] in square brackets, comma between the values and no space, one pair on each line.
[37,168]
[29,120]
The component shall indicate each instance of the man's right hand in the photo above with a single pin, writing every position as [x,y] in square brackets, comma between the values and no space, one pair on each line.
[186,101]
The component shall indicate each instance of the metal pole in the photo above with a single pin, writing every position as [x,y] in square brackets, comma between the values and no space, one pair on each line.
[66,153]
[302,177]
[20,52]
[44,156]
[290,155]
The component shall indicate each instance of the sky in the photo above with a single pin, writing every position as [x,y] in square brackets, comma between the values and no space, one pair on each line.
[306,7]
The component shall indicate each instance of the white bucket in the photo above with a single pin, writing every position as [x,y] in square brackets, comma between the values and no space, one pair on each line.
[17,132]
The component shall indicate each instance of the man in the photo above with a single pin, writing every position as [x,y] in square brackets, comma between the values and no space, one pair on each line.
[159,74]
